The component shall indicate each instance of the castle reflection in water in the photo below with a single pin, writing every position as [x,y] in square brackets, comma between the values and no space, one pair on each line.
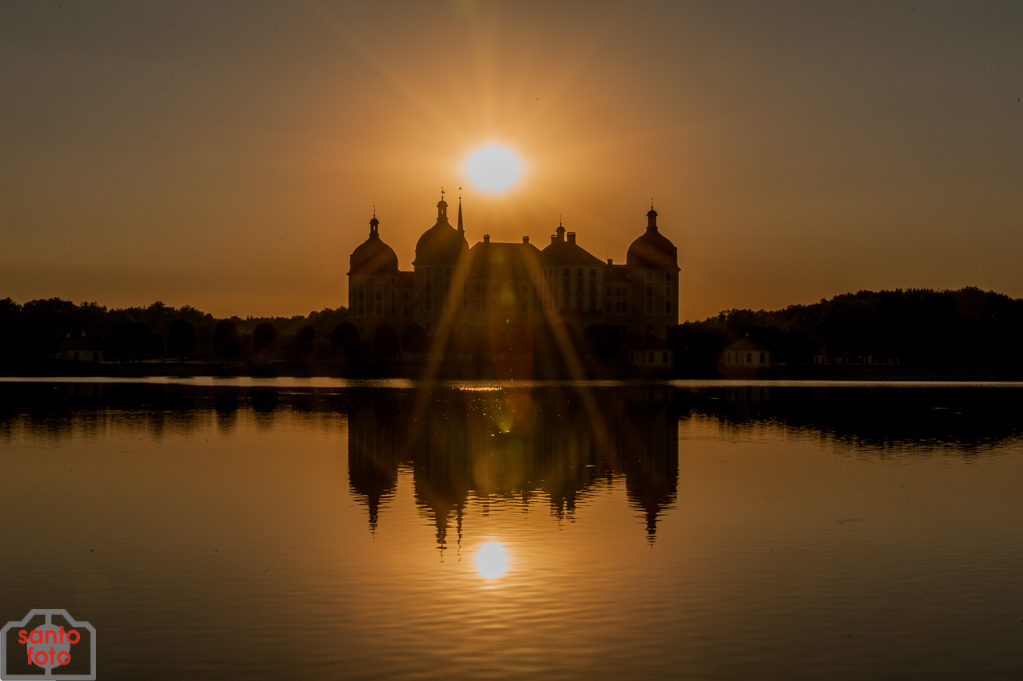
[552,444]
[515,443]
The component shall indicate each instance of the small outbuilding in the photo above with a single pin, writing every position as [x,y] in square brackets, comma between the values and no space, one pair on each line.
[746,353]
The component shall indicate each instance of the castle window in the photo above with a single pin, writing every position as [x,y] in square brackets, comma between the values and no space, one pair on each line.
[593,304]
[406,310]
[579,272]
[568,286]
[664,357]
[618,307]
[749,358]
[380,310]
[593,274]
[650,358]
[667,308]
[625,307]
[566,271]
[593,287]
[579,303]
[362,310]
[427,304]
[609,306]
[404,296]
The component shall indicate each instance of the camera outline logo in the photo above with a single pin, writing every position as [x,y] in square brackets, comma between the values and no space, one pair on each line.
[56,641]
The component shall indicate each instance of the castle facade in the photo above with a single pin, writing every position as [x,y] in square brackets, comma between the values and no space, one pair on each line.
[513,285]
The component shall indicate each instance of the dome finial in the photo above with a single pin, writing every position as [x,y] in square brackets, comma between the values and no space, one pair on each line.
[442,207]
[651,217]
[373,224]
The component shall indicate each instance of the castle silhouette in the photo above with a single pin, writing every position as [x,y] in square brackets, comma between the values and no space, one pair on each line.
[516,285]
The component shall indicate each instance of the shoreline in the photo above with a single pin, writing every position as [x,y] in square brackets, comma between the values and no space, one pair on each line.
[486,371]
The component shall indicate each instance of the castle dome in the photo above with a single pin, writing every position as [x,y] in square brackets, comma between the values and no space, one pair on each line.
[373,257]
[442,243]
[653,250]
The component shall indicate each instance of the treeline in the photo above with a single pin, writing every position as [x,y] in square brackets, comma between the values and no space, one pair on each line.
[966,328]
[39,329]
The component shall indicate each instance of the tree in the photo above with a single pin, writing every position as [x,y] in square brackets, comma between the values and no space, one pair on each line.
[604,339]
[157,345]
[226,339]
[303,345]
[385,340]
[180,339]
[413,338]
[264,339]
[129,341]
[345,337]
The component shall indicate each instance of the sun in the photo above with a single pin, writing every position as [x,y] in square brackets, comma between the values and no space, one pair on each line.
[494,168]
[492,560]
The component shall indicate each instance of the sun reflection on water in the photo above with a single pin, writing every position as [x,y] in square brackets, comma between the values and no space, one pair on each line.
[492,560]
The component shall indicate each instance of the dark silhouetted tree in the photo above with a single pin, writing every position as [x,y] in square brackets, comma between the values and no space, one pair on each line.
[264,339]
[303,346]
[413,338]
[385,340]
[128,342]
[157,345]
[345,338]
[226,339]
[180,339]
[604,339]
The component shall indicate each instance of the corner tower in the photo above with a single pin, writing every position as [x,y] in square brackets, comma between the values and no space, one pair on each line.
[652,262]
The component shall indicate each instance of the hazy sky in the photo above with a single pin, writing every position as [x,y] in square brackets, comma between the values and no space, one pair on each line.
[228,155]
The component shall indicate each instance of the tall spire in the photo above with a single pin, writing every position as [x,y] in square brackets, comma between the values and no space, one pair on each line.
[460,229]
[373,229]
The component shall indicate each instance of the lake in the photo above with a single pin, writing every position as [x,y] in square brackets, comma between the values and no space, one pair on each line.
[321,528]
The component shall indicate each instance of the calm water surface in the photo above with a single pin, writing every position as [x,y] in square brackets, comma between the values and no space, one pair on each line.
[300,529]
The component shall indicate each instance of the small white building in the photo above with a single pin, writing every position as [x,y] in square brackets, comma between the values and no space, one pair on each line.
[79,348]
[652,353]
[746,353]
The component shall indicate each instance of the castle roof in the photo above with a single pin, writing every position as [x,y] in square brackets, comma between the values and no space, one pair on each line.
[442,243]
[745,343]
[562,252]
[503,260]
[653,250]
[373,257]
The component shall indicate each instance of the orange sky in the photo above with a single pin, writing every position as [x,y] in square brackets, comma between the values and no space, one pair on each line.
[229,155]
